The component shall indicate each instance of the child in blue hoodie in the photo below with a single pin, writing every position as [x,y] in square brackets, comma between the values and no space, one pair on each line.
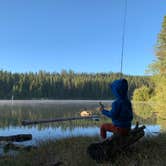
[121,112]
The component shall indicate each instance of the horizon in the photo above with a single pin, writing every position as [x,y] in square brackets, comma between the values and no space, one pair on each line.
[82,36]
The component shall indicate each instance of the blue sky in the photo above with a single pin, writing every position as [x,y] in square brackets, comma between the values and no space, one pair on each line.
[82,35]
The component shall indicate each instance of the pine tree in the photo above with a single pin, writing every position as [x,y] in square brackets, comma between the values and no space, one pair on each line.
[158,67]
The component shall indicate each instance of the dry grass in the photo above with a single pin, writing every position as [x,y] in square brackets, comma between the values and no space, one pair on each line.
[72,152]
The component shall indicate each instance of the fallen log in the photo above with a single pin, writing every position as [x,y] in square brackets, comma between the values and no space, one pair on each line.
[27,122]
[16,138]
[104,151]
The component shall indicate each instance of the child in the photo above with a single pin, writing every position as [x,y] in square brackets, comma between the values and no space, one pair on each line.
[121,113]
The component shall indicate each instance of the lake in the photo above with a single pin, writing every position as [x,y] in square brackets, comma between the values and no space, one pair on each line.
[13,112]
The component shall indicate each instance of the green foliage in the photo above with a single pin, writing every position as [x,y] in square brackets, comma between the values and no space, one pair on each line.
[64,85]
[143,93]
[160,90]
[158,67]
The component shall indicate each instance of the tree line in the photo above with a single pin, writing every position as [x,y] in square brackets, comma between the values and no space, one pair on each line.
[63,85]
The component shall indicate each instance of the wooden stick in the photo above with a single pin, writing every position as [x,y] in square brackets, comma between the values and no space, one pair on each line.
[16,138]
[27,122]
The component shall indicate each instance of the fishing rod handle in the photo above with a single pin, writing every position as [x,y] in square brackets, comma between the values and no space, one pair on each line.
[101,105]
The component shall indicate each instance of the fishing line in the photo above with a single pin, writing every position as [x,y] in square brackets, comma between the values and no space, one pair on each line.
[123,38]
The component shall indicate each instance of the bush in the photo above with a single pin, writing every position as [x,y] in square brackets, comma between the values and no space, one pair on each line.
[142,94]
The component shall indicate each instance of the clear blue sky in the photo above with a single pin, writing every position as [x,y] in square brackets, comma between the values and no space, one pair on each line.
[82,35]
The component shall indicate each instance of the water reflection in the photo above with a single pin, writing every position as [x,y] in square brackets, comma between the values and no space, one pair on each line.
[59,132]
[152,130]
[11,116]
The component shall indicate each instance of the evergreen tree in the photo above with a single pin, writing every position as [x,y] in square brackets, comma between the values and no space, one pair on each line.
[64,85]
[158,67]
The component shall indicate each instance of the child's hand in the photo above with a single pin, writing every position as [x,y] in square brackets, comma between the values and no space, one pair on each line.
[101,106]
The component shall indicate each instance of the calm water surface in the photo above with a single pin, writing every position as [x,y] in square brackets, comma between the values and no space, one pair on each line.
[11,115]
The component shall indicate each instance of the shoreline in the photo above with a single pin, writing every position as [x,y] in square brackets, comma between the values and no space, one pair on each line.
[51,101]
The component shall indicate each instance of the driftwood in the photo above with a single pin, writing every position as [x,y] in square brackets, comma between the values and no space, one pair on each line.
[27,122]
[104,151]
[16,138]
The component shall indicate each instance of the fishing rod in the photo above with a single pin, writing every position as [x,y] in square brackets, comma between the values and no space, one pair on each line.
[28,122]
[123,38]
[92,117]
[101,105]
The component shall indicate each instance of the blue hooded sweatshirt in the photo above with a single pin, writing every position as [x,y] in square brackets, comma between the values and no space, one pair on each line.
[121,113]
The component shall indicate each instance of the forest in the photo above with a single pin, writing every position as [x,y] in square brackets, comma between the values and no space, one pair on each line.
[64,85]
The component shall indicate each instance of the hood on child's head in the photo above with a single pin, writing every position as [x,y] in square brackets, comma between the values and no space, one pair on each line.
[119,88]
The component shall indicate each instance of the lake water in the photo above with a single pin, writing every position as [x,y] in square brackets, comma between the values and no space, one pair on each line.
[12,114]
